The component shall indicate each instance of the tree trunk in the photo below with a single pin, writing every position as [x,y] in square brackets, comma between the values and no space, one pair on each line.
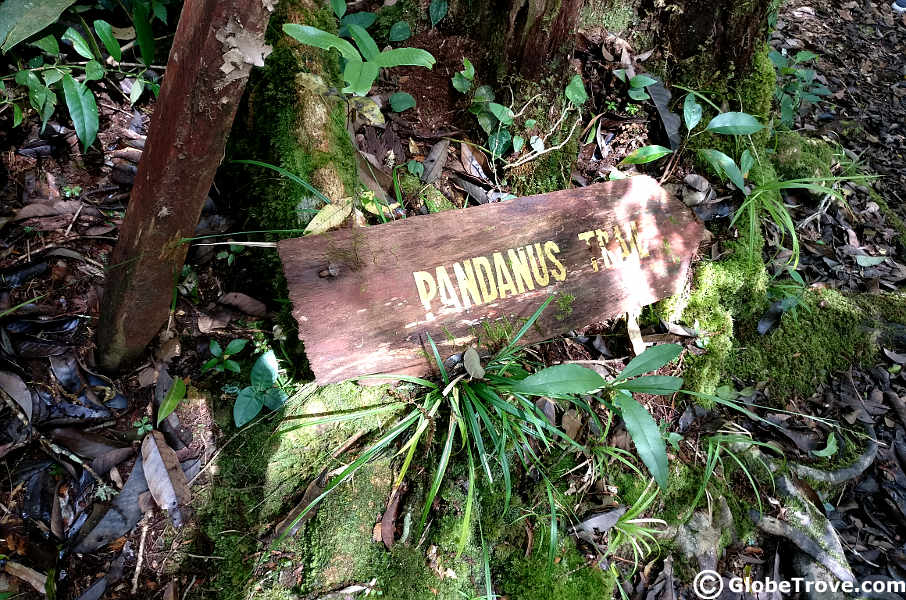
[216,44]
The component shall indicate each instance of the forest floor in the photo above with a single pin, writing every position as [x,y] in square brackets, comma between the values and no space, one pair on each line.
[838,411]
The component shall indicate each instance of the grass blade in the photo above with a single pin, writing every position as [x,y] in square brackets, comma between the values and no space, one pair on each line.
[441,470]
[291,176]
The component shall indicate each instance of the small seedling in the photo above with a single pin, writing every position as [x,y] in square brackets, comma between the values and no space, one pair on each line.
[72,191]
[637,84]
[142,426]
[221,360]
[230,255]
[463,80]
[263,391]
[795,85]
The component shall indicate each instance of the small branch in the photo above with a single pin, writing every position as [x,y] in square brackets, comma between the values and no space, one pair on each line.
[535,155]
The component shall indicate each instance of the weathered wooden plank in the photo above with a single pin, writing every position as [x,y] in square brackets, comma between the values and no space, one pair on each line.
[364,298]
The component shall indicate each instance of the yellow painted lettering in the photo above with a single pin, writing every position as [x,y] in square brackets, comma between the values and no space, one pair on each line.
[559,271]
[504,279]
[485,274]
[586,236]
[640,246]
[618,235]
[447,291]
[541,275]
[427,288]
[521,271]
[603,238]
[468,284]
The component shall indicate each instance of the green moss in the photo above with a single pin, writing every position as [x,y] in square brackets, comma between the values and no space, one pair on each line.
[796,156]
[387,16]
[423,195]
[569,579]
[409,577]
[612,15]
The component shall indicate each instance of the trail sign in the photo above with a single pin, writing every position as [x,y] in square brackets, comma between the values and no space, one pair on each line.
[365,298]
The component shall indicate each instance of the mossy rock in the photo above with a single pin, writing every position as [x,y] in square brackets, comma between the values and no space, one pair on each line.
[426,195]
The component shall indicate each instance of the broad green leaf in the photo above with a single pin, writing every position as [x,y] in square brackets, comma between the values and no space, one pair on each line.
[780,61]
[247,406]
[51,76]
[638,94]
[692,111]
[339,7]
[415,167]
[734,123]
[620,74]
[274,398]
[501,112]
[17,115]
[724,165]
[483,94]
[265,370]
[398,57]
[48,44]
[105,32]
[575,91]
[82,110]
[828,450]
[78,43]
[437,11]
[499,142]
[746,161]
[401,101]
[869,261]
[138,86]
[160,11]
[803,56]
[359,77]
[362,19]
[215,348]
[561,380]
[641,81]
[94,70]
[645,435]
[236,346]
[21,19]
[312,36]
[487,121]
[518,143]
[400,31]
[662,385]
[536,143]
[232,365]
[143,34]
[646,154]
[174,396]
[651,359]
[366,44]
[468,69]
[329,217]
[461,84]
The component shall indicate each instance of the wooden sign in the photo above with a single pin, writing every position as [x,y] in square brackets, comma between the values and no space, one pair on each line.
[364,298]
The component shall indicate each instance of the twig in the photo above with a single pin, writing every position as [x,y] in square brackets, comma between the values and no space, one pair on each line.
[74,219]
[141,558]
[535,155]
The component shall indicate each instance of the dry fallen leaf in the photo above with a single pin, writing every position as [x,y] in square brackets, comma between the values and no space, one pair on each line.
[330,216]
[246,304]
[165,477]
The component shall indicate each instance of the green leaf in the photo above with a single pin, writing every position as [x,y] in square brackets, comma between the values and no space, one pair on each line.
[779,60]
[78,43]
[274,398]
[51,76]
[105,32]
[518,143]
[460,83]
[82,110]
[829,450]
[366,44]
[94,71]
[21,19]
[483,94]
[210,364]
[138,86]
[641,81]
[804,56]
[359,76]
[746,161]
[638,94]
[575,91]
[468,69]
[692,111]
[437,11]
[561,380]
[661,385]
[415,167]
[501,112]
[160,11]
[620,74]
[869,261]
[400,31]
[362,19]
[214,347]
[401,101]
[174,395]
[339,7]
[236,346]
[499,142]
[265,370]
[312,36]
[645,435]
[724,165]
[487,121]
[247,406]
[231,365]
[17,115]
[398,57]
[651,359]
[646,154]
[734,123]
[143,34]
[48,44]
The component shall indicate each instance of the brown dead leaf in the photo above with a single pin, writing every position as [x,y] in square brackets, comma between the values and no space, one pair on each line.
[165,477]
[245,303]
